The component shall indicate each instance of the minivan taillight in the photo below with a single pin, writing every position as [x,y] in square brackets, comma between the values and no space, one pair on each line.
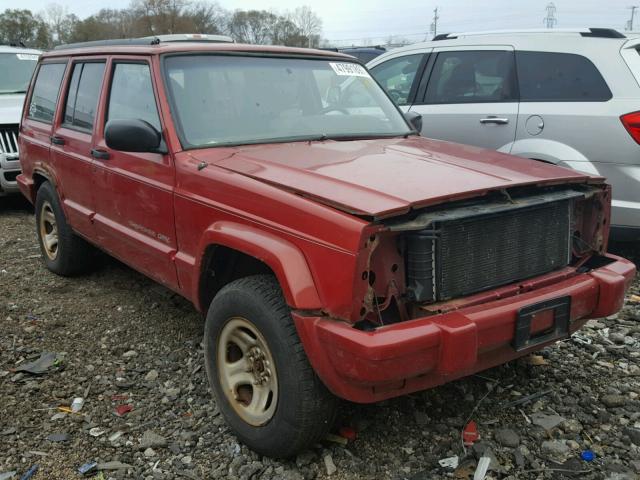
[631,122]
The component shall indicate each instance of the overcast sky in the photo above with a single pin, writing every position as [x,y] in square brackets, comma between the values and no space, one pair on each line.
[355,20]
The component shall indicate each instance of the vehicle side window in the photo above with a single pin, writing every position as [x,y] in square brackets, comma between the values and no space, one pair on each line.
[131,94]
[472,77]
[84,91]
[45,92]
[396,76]
[559,77]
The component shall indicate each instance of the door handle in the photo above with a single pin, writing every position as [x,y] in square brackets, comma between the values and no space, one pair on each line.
[494,120]
[57,140]
[100,154]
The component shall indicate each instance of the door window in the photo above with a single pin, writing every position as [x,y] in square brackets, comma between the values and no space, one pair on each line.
[472,77]
[45,92]
[132,94]
[397,75]
[559,77]
[82,99]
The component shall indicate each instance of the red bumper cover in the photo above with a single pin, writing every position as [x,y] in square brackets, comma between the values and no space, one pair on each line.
[421,353]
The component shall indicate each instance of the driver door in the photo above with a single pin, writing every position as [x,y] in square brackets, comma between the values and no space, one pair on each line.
[134,191]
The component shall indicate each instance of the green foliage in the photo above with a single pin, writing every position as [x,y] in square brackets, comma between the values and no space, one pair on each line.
[21,26]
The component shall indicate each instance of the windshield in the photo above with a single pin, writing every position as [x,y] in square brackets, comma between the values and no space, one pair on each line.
[16,71]
[246,99]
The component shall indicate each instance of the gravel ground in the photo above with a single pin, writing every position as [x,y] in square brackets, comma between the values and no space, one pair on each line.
[123,342]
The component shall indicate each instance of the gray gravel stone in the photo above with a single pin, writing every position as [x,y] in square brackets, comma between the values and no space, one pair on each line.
[613,400]
[507,437]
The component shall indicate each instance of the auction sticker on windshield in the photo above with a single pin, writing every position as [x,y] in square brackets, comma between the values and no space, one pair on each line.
[349,69]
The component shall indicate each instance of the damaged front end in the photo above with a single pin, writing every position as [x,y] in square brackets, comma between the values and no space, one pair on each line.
[461,253]
[450,290]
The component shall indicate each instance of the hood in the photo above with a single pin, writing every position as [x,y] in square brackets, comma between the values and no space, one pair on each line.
[11,108]
[382,177]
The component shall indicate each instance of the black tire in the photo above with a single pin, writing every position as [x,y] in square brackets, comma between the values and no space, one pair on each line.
[305,409]
[73,254]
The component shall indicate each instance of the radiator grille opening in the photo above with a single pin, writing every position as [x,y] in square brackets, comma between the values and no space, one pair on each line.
[476,253]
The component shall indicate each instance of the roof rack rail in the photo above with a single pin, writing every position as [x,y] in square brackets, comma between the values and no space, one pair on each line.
[146,41]
[584,32]
[603,33]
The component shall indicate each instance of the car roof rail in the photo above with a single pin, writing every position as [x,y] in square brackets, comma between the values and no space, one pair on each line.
[584,32]
[146,41]
[603,33]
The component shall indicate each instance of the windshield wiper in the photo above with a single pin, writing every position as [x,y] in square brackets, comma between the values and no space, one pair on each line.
[8,92]
[363,136]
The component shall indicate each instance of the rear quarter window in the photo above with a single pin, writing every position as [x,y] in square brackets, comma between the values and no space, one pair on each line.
[559,77]
[45,92]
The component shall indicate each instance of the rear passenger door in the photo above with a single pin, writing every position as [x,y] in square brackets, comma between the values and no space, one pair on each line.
[134,191]
[470,97]
[72,141]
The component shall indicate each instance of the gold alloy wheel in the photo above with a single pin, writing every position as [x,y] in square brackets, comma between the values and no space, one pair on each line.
[247,371]
[49,230]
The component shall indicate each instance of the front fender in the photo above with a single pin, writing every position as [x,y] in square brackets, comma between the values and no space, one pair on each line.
[285,259]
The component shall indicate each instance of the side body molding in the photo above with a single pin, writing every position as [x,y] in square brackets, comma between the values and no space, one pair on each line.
[285,259]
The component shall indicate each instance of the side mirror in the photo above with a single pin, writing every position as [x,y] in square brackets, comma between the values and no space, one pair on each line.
[133,135]
[415,120]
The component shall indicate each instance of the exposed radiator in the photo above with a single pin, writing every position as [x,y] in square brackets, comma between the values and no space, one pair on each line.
[464,255]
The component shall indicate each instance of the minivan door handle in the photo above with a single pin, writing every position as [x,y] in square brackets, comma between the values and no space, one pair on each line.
[494,120]
[57,140]
[100,154]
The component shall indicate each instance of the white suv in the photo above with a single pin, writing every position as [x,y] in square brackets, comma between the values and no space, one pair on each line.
[17,65]
[569,97]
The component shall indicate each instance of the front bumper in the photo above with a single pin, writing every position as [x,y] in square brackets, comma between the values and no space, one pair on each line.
[421,353]
[9,169]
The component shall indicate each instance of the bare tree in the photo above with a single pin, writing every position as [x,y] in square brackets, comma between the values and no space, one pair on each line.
[207,17]
[309,23]
[253,26]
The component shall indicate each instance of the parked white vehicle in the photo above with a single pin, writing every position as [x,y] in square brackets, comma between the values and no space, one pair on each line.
[568,97]
[17,65]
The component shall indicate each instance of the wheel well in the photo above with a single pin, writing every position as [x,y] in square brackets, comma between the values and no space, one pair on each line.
[221,265]
[38,180]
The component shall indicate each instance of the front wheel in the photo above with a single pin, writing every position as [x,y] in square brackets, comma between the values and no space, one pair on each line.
[258,371]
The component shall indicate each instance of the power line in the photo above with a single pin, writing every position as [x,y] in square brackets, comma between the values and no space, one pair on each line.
[550,20]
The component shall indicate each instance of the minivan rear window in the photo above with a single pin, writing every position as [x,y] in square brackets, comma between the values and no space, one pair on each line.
[45,92]
[559,77]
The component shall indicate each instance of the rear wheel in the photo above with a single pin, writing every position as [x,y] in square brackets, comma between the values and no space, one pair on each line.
[258,371]
[63,251]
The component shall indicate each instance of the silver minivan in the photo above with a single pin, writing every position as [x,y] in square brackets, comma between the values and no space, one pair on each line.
[569,97]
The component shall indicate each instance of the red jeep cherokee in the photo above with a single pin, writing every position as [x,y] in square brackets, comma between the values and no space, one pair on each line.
[336,252]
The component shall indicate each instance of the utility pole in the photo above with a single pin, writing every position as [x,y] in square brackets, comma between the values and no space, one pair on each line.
[550,20]
[434,24]
[630,21]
